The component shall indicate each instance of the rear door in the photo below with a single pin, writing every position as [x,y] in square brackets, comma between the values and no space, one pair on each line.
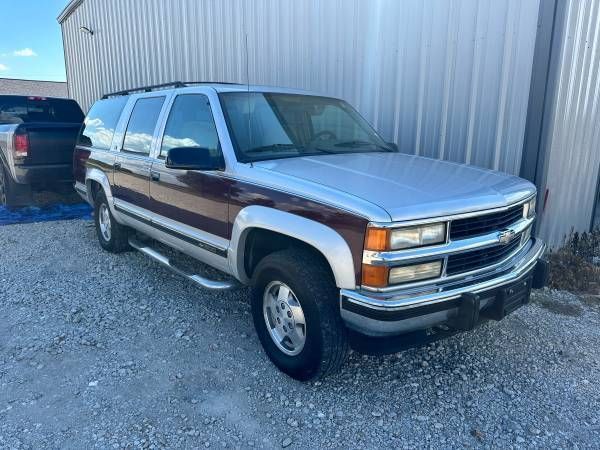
[132,166]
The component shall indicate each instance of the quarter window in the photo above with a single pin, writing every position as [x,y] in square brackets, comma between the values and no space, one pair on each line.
[141,126]
[191,124]
[99,125]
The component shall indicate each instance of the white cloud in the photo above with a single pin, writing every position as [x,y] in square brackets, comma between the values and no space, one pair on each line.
[24,52]
[3,68]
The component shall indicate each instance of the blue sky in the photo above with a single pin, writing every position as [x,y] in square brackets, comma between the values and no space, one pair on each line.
[31,41]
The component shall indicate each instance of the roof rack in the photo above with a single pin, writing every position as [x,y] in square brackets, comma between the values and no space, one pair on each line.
[156,87]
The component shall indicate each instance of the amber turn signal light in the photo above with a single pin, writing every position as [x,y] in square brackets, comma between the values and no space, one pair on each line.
[377,239]
[375,276]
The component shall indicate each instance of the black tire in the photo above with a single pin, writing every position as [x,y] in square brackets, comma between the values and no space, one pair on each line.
[11,193]
[117,239]
[309,278]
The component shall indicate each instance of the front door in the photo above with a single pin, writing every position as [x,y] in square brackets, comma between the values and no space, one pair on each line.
[197,200]
[132,165]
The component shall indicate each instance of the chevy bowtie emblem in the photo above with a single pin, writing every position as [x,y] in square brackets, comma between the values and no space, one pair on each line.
[506,236]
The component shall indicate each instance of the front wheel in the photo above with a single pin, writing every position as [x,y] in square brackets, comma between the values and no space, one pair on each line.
[112,236]
[296,314]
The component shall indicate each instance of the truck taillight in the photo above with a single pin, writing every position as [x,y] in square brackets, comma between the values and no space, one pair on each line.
[21,145]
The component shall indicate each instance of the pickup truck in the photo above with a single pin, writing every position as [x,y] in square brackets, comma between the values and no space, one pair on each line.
[345,242]
[37,139]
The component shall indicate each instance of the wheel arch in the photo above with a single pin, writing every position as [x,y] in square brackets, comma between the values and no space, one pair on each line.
[97,177]
[317,236]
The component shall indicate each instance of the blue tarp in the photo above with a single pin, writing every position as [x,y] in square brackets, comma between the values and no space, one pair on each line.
[48,213]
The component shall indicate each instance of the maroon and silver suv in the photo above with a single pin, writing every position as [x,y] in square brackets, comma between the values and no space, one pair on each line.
[345,241]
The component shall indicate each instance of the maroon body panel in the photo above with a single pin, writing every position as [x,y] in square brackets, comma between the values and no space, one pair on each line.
[194,198]
[350,226]
[132,180]
[80,159]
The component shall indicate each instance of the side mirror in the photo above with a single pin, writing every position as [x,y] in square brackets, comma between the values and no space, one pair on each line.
[393,146]
[192,158]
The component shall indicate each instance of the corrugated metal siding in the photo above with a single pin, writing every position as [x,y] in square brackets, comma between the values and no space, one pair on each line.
[573,145]
[442,78]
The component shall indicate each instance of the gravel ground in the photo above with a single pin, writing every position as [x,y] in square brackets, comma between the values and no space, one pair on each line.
[113,351]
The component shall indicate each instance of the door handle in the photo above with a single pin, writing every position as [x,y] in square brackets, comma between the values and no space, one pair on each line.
[117,166]
[154,175]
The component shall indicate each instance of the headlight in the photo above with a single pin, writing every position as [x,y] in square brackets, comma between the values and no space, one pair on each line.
[383,239]
[418,236]
[529,209]
[417,272]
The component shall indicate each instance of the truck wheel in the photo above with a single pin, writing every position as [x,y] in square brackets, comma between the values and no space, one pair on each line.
[11,193]
[113,236]
[296,314]
[3,188]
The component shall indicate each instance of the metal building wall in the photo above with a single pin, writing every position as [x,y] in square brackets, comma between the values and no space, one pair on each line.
[442,78]
[572,145]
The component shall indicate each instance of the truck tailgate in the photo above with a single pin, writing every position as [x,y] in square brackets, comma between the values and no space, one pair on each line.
[51,143]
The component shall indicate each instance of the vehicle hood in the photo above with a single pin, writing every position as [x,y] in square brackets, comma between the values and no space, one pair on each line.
[407,187]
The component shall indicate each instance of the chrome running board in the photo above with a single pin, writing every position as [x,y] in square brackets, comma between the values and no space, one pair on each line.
[203,282]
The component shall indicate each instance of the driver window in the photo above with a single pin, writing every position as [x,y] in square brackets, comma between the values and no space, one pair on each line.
[190,124]
[332,122]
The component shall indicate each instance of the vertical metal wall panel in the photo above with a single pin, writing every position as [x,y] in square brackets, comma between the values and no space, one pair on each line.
[442,78]
[573,130]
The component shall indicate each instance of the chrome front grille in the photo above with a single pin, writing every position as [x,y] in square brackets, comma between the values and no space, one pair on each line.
[477,259]
[476,243]
[478,225]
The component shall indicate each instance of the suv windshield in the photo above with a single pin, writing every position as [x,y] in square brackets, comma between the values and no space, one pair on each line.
[273,125]
[16,109]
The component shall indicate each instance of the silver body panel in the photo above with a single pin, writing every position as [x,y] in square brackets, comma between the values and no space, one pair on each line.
[152,225]
[6,148]
[326,240]
[407,187]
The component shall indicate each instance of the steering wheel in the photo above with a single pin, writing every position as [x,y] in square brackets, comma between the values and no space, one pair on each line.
[319,136]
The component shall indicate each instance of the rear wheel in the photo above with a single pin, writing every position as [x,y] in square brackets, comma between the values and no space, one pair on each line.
[296,314]
[11,193]
[112,236]
[3,189]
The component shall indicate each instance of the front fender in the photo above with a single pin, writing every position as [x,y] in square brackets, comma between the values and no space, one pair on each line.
[323,238]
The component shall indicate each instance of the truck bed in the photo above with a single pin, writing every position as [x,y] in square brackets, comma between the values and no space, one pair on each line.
[37,138]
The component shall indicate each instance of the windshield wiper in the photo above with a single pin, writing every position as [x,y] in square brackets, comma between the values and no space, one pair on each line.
[359,143]
[271,147]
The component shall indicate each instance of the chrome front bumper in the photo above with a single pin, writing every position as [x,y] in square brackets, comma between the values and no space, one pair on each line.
[401,311]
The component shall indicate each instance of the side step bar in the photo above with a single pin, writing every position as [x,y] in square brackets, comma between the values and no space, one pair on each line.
[197,279]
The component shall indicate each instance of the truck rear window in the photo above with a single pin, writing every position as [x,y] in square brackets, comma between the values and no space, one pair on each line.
[21,109]
[99,125]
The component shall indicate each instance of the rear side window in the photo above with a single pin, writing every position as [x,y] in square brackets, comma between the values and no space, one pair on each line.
[17,109]
[99,125]
[141,126]
[190,124]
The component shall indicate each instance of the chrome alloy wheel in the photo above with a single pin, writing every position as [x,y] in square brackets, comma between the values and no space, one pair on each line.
[104,221]
[284,318]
